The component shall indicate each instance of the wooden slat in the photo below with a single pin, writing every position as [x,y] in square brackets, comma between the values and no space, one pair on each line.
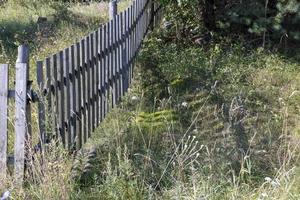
[92,84]
[102,72]
[145,16]
[144,21]
[148,15]
[48,87]
[140,29]
[131,41]
[20,120]
[126,26]
[48,83]
[119,65]
[116,82]
[137,34]
[114,62]
[22,114]
[129,29]
[78,94]
[108,63]
[88,85]
[122,53]
[3,119]
[137,29]
[54,94]
[104,75]
[67,96]
[84,89]
[41,104]
[96,77]
[61,98]
[136,26]
[111,61]
[72,90]
[99,73]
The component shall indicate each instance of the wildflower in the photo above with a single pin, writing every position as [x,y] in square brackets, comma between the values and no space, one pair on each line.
[5,195]
[268,179]
[275,183]
[263,196]
[184,104]
[134,98]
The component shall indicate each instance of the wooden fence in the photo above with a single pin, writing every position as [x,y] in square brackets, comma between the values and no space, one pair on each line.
[22,97]
[78,85]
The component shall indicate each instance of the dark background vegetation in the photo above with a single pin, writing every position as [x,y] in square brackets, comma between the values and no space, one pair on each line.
[269,20]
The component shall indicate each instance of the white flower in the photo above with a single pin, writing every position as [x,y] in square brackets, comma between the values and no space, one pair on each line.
[262,196]
[268,179]
[5,195]
[134,98]
[275,183]
[184,104]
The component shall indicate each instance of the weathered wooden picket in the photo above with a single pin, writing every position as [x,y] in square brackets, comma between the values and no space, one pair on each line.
[22,96]
[78,86]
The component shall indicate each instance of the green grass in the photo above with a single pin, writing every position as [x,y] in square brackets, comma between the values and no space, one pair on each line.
[227,99]
[219,121]
[214,102]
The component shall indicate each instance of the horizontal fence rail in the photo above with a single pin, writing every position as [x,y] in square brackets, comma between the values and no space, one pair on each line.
[78,86]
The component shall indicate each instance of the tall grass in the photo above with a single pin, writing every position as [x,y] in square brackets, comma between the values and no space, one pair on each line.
[214,122]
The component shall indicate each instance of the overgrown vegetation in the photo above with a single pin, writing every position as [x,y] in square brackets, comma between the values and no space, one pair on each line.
[209,116]
[265,21]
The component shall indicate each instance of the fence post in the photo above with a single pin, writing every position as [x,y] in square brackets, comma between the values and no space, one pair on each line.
[113,9]
[23,112]
[3,119]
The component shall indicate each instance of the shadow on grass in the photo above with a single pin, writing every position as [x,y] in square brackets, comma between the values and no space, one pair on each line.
[35,34]
[12,34]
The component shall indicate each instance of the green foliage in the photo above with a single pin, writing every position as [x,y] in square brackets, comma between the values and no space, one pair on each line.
[272,20]
[260,18]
